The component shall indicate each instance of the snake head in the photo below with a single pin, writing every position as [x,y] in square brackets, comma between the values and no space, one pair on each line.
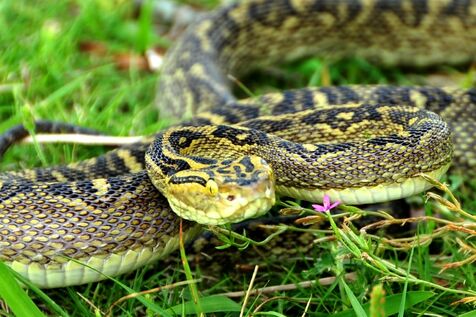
[230,191]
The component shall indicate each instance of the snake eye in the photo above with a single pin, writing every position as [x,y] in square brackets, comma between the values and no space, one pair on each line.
[212,187]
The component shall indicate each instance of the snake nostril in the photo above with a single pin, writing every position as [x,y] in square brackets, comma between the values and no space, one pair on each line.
[230,197]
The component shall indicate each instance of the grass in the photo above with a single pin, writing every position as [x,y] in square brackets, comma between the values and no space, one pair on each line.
[45,75]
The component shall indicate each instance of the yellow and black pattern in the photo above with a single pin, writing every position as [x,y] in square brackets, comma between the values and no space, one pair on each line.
[113,225]
[368,147]
[106,213]
[127,159]
[456,106]
[241,36]
[363,136]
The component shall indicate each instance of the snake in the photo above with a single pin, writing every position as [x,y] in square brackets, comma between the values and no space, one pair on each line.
[225,159]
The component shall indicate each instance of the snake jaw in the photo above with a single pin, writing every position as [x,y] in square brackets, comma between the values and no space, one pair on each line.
[221,198]
[220,209]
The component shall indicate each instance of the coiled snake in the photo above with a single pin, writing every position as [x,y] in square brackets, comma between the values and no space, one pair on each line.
[356,144]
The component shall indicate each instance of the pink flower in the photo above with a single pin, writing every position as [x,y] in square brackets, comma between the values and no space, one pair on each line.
[326,204]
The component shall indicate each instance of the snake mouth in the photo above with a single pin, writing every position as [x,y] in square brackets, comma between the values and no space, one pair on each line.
[252,204]
[237,190]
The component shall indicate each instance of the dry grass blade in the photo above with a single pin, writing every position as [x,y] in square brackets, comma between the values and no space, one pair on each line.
[288,287]
[250,287]
[90,303]
[307,306]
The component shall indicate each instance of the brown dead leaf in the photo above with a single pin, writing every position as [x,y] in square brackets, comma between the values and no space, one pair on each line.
[125,61]
[93,48]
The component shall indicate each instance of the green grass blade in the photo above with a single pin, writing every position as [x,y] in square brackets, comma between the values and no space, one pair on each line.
[15,297]
[65,90]
[148,303]
[145,26]
[392,303]
[51,303]
[188,274]
[270,313]
[358,309]
[209,304]
[401,311]
[469,314]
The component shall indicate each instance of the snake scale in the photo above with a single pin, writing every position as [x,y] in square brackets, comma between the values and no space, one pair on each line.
[356,143]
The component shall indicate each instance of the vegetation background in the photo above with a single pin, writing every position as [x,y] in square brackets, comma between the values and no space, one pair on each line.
[82,61]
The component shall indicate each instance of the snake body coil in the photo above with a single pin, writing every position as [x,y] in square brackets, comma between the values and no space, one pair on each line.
[360,144]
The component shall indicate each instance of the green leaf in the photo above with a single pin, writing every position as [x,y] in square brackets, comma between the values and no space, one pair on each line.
[209,304]
[14,296]
[392,303]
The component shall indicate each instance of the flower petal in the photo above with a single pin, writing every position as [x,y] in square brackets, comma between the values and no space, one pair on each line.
[319,208]
[335,204]
[326,201]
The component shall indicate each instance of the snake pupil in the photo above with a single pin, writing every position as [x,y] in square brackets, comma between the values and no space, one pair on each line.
[212,187]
